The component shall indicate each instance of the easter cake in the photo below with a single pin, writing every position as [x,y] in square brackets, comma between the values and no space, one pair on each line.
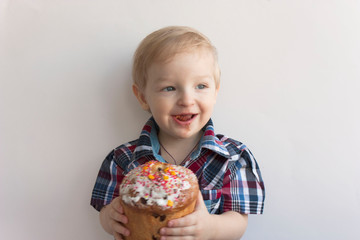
[154,193]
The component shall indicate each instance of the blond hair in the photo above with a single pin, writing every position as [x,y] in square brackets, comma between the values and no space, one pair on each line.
[163,44]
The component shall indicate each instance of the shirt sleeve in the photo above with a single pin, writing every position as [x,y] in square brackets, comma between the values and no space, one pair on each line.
[107,182]
[243,190]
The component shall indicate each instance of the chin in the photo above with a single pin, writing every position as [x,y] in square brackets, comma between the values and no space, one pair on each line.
[188,134]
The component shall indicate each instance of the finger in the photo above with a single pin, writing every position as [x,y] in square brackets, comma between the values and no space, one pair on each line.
[200,202]
[117,236]
[190,219]
[117,216]
[178,238]
[186,221]
[120,229]
[116,204]
[182,231]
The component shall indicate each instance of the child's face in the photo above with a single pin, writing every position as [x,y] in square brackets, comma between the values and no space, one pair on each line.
[181,94]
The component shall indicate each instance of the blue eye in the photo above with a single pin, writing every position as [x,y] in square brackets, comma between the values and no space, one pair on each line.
[168,89]
[200,86]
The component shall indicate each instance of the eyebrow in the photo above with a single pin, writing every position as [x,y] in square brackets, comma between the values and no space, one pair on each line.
[199,76]
[205,76]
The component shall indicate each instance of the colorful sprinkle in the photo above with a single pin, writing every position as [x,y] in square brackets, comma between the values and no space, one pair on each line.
[166,180]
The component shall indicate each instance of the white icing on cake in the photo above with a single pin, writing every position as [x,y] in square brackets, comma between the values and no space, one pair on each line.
[153,183]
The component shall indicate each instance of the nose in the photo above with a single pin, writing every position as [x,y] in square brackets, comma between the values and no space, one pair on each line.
[186,98]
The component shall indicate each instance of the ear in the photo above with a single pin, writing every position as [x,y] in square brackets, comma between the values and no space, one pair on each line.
[140,97]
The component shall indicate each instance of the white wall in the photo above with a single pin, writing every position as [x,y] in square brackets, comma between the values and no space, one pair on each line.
[290,90]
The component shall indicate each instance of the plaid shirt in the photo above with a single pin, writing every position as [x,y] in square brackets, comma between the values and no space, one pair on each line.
[229,176]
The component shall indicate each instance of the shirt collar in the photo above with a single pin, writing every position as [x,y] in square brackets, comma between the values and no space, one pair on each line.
[148,143]
[210,141]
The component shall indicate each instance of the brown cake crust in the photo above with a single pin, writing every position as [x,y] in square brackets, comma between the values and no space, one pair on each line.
[154,193]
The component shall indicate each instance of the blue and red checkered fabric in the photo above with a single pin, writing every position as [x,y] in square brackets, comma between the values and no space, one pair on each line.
[229,176]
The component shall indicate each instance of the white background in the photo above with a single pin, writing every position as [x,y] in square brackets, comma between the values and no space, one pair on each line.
[289,89]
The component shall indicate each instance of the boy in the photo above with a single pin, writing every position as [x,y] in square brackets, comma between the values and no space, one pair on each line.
[176,78]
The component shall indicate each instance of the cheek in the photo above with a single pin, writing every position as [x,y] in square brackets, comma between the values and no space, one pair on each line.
[209,106]
[157,105]
[209,100]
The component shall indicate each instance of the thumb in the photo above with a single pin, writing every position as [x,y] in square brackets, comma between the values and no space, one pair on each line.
[200,202]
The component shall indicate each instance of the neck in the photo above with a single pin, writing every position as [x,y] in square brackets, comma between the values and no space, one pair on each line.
[178,149]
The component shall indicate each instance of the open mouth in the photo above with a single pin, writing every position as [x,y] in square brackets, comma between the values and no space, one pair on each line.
[185,117]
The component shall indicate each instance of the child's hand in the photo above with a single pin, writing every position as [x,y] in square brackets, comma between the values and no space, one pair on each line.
[113,219]
[197,225]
